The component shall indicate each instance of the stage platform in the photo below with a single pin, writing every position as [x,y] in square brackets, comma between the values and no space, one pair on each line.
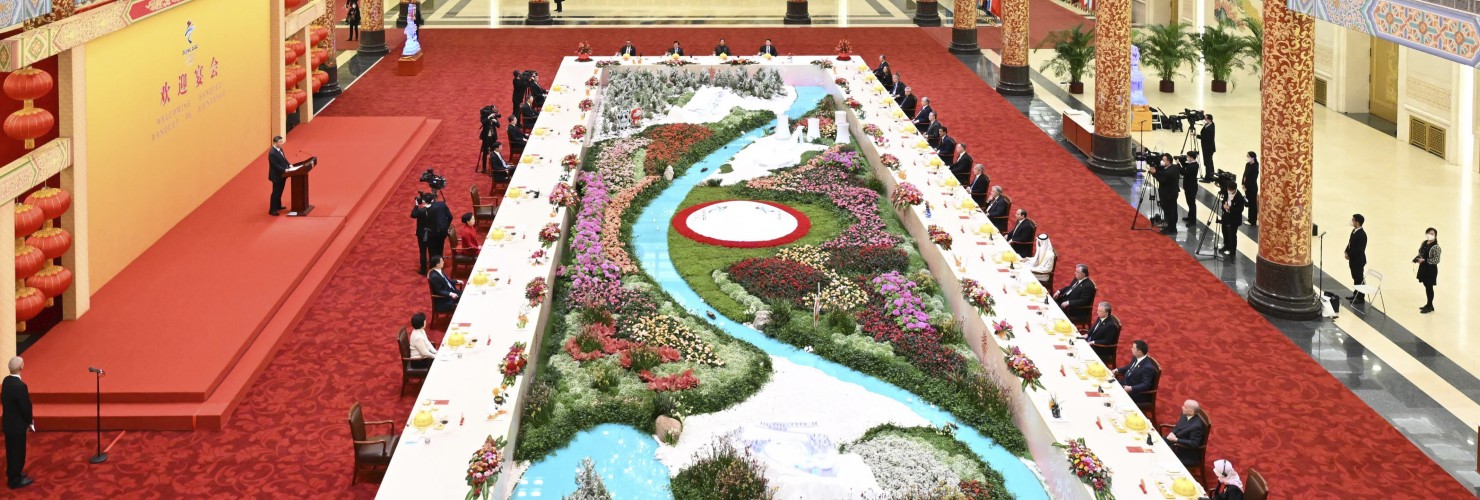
[184,330]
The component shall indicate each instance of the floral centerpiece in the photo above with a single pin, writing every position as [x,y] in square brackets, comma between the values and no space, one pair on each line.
[939,236]
[977,295]
[578,132]
[592,82]
[823,63]
[906,195]
[872,130]
[549,234]
[538,256]
[513,363]
[853,103]
[845,50]
[562,195]
[484,468]
[1023,367]
[675,61]
[842,83]
[570,161]
[1003,329]
[535,290]
[1088,467]
[609,62]
[890,161]
[740,61]
[583,52]
[587,104]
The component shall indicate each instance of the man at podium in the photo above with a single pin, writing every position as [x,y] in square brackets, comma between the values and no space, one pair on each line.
[277,165]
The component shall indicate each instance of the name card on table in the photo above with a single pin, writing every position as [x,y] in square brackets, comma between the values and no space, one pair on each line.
[1139,449]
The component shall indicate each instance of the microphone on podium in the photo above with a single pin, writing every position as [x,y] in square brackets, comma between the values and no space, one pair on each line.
[98,371]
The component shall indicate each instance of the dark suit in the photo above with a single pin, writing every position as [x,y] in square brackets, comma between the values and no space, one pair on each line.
[907,104]
[498,168]
[442,290]
[722,49]
[538,93]
[932,132]
[1021,237]
[962,167]
[1104,337]
[946,148]
[998,210]
[922,119]
[1228,492]
[1141,377]
[767,49]
[1209,147]
[1356,255]
[1251,190]
[897,90]
[517,140]
[431,230]
[277,164]
[627,50]
[1191,432]
[488,135]
[884,74]
[673,51]
[1079,294]
[15,398]
[527,115]
[1166,188]
[520,86]
[980,186]
[1233,217]
[1189,190]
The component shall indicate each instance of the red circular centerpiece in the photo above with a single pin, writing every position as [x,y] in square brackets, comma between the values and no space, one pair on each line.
[682,225]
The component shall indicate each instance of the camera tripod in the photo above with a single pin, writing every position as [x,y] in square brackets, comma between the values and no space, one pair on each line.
[1187,137]
[1147,193]
[1213,218]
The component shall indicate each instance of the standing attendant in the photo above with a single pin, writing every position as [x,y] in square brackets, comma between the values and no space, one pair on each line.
[1189,187]
[1428,266]
[1251,187]
[15,398]
[519,89]
[1209,146]
[767,49]
[1233,217]
[352,18]
[723,49]
[432,221]
[1356,255]
[277,165]
[559,5]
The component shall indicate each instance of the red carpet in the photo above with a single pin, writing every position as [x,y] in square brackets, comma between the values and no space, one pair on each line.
[1044,17]
[1276,410]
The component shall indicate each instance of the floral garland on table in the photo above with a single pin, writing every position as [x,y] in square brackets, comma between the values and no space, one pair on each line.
[578,132]
[609,62]
[549,234]
[514,363]
[535,290]
[587,104]
[822,63]
[889,161]
[484,468]
[1023,367]
[906,195]
[940,236]
[675,62]
[853,103]
[740,61]
[1003,329]
[977,295]
[1088,467]
[562,195]
[842,83]
[570,161]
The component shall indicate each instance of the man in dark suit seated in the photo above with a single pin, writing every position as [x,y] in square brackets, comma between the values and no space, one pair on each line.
[15,399]
[723,49]
[445,290]
[922,118]
[536,91]
[767,49]
[277,165]
[883,72]
[907,102]
[528,113]
[499,169]
[1104,334]
[517,139]
[676,49]
[1078,295]
[961,166]
[1188,435]
[628,50]
[1141,375]
[1021,237]
[897,90]
[932,131]
[947,145]
[999,206]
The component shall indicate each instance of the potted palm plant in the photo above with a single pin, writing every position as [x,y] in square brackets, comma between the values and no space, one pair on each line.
[1255,41]
[1074,52]
[1165,48]
[1222,51]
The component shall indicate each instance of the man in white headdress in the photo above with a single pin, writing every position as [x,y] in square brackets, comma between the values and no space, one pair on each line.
[1042,263]
[1230,487]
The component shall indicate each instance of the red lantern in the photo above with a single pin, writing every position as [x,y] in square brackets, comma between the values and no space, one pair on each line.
[53,242]
[291,103]
[27,219]
[28,124]
[28,303]
[322,77]
[28,260]
[53,202]
[318,34]
[290,5]
[287,55]
[320,56]
[316,85]
[27,84]
[52,281]
[297,47]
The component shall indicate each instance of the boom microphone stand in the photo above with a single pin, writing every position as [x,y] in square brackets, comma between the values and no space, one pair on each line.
[100,457]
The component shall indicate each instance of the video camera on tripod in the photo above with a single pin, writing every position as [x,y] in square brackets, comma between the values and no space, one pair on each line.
[1173,122]
[434,181]
[1224,179]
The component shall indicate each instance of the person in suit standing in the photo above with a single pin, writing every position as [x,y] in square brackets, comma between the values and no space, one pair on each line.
[15,398]
[1104,334]
[962,164]
[432,221]
[767,49]
[559,5]
[1167,176]
[1021,237]
[352,18]
[1189,187]
[907,102]
[884,73]
[1428,266]
[1189,432]
[1141,375]
[1233,217]
[1209,146]
[628,50]
[445,291]
[676,49]
[277,165]
[1251,186]
[922,118]
[722,49]
[1356,255]
[946,146]
[998,208]
[1078,294]
[488,138]
[980,185]
[520,86]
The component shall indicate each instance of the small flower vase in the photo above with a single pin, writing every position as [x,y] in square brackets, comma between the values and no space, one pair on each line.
[523,321]
[1054,410]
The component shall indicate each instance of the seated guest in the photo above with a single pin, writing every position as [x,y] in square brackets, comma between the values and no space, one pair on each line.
[498,168]
[961,166]
[1044,261]
[998,208]
[1230,487]
[907,102]
[897,90]
[628,50]
[528,113]
[445,290]
[422,352]
[723,49]
[1077,296]
[922,118]
[979,184]
[517,139]
[767,49]
[932,131]
[467,236]
[1021,237]
[947,145]
[884,73]
[676,49]
[1141,375]
[1189,433]
[536,91]
[1104,334]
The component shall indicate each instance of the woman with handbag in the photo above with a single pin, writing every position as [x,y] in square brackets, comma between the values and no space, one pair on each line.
[1428,266]
[352,18]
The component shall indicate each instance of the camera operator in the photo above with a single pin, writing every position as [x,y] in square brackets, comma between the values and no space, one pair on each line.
[1208,146]
[432,221]
[1251,187]
[1232,204]
[1166,175]
[1189,187]
[488,135]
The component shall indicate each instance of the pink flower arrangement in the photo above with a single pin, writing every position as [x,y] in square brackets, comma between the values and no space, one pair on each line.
[583,52]
[842,83]
[578,132]
[839,185]
[593,82]
[890,161]
[587,104]
[844,49]
[939,236]
[872,130]
[549,234]
[1088,467]
[614,162]
[1003,329]
[977,295]
[537,256]
[562,195]
[484,468]
[513,363]
[853,103]
[1024,368]
[570,161]
[595,280]
[678,382]
[906,195]
[535,290]
[611,226]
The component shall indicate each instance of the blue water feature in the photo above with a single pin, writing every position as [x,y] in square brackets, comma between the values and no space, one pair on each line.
[650,241]
[623,457]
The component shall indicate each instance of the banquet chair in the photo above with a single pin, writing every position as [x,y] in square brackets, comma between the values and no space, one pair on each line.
[1080,316]
[1254,486]
[482,212]
[372,453]
[463,260]
[408,371]
[1106,352]
[1149,407]
[1201,452]
[1372,287]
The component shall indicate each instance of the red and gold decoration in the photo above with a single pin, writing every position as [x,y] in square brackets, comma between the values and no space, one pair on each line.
[1113,68]
[28,303]
[318,56]
[52,242]
[291,5]
[53,202]
[29,122]
[317,34]
[1015,33]
[293,74]
[28,219]
[297,47]
[28,261]
[51,281]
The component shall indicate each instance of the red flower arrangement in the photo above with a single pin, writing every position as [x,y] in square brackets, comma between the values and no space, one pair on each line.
[845,50]
[587,104]
[740,61]
[578,132]
[774,278]
[663,354]
[570,161]
[939,236]
[977,295]
[678,382]
[514,362]
[906,195]
[670,142]
[1024,368]
[583,52]
[872,130]
[484,468]
[593,82]
[853,103]
[535,290]
[921,347]
[1003,329]
[594,342]
[562,195]
[842,83]
[890,161]
[974,490]
[1088,467]
[549,234]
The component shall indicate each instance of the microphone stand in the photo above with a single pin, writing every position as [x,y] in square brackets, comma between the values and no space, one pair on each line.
[100,457]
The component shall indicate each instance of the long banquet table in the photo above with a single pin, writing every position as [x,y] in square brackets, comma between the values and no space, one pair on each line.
[460,389]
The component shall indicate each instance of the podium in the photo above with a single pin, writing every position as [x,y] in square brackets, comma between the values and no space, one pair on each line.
[298,194]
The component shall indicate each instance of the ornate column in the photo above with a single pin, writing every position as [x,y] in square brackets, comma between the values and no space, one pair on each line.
[372,27]
[1282,278]
[927,13]
[331,66]
[963,28]
[796,13]
[539,13]
[1111,141]
[1013,79]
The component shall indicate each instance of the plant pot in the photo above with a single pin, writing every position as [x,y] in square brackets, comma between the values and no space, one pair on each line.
[845,56]
[1220,86]
[1076,88]
[1168,86]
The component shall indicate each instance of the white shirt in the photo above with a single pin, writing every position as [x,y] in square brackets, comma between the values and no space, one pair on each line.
[1043,260]
[421,347]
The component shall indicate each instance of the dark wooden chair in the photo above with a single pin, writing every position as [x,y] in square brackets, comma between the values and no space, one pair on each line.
[1148,407]
[372,453]
[1106,352]
[1080,316]
[409,372]
[483,213]
[1254,486]
[1200,471]
[463,260]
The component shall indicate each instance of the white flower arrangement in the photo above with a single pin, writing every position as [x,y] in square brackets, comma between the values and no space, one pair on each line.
[903,466]
[753,304]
